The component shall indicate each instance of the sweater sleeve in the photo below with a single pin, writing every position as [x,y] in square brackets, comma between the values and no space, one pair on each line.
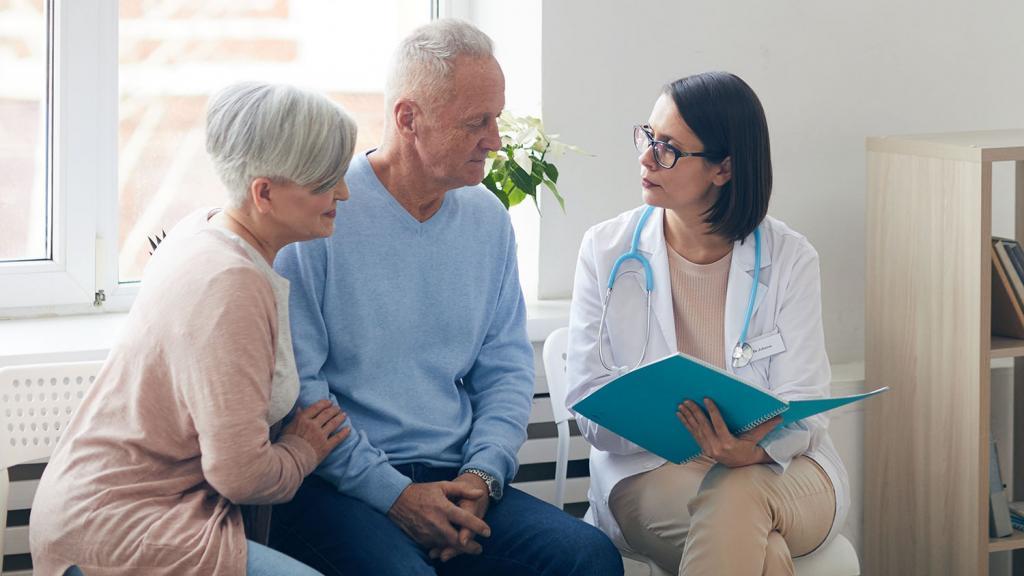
[222,366]
[500,383]
[356,467]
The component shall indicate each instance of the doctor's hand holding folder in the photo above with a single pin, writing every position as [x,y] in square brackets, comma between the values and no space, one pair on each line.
[642,405]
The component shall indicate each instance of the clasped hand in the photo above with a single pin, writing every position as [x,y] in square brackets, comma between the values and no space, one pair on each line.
[715,439]
[444,517]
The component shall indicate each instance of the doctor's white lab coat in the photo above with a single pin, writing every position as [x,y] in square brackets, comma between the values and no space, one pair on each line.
[788,305]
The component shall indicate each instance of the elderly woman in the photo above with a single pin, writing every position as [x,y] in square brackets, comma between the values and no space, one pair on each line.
[179,428]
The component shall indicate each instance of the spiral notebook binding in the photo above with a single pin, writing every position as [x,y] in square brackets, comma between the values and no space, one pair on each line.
[692,458]
[763,419]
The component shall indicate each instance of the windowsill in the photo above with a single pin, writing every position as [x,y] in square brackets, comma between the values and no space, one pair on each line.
[89,336]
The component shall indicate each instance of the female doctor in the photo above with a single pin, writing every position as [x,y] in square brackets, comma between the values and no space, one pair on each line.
[735,288]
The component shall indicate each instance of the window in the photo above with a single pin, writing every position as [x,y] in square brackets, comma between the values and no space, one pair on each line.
[101,121]
[24,194]
[102,108]
[173,54]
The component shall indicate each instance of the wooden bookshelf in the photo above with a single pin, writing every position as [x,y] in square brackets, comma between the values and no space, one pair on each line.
[1013,542]
[928,336]
[1006,347]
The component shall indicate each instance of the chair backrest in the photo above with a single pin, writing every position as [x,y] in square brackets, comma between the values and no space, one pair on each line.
[555,347]
[36,403]
[38,400]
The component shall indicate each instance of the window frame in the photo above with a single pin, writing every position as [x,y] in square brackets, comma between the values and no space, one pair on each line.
[82,77]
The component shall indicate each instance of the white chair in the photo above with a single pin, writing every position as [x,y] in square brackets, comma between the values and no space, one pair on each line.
[36,402]
[837,558]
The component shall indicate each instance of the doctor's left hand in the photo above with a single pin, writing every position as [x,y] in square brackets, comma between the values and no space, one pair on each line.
[717,442]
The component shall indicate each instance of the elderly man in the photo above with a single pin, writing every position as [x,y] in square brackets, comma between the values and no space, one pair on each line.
[417,328]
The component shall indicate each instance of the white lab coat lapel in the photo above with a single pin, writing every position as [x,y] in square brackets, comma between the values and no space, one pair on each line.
[737,296]
[652,244]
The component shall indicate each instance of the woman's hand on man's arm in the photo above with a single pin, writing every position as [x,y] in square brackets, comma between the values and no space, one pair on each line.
[319,424]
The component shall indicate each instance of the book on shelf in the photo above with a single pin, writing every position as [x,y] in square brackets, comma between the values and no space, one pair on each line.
[1007,290]
[999,522]
[1017,515]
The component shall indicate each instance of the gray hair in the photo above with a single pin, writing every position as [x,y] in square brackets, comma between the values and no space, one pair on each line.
[422,63]
[275,131]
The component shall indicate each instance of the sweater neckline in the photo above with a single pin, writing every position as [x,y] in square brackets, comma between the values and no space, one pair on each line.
[404,217]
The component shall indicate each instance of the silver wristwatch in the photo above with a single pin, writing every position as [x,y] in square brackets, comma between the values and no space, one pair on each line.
[493,486]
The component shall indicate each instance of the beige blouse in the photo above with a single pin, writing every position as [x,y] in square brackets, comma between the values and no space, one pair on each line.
[698,303]
[173,434]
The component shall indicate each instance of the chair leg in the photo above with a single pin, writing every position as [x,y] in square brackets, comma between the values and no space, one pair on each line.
[5,490]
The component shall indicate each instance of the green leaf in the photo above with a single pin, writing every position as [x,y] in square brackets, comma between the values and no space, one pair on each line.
[554,190]
[491,185]
[515,196]
[536,205]
[522,180]
[538,172]
[551,172]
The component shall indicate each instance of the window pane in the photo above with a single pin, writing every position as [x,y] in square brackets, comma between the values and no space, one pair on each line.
[174,54]
[24,209]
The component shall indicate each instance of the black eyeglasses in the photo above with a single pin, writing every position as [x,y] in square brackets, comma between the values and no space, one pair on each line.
[665,154]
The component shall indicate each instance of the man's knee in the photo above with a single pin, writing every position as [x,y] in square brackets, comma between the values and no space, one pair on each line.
[592,551]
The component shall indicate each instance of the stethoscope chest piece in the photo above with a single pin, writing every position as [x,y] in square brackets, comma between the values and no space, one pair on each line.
[741,355]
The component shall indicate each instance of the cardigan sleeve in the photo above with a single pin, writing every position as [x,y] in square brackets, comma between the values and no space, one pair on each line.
[223,375]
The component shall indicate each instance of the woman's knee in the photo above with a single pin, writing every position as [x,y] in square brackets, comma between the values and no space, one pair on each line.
[732,489]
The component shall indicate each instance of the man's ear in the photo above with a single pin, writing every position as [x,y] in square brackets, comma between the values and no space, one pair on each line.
[259,193]
[723,172]
[406,116]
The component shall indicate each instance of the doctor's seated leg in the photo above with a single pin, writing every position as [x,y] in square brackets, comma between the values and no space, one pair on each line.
[753,520]
[652,515]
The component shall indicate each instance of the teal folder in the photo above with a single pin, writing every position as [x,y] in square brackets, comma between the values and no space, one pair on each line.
[641,405]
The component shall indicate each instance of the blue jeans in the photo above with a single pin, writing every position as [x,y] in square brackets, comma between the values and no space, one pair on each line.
[261,561]
[339,535]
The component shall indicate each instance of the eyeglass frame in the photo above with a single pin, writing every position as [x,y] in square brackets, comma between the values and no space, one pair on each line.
[677,153]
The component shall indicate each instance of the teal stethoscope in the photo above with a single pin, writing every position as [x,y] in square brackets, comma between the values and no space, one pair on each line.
[741,354]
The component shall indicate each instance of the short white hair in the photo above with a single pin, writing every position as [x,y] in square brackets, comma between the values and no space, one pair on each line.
[422,64]
[260,130]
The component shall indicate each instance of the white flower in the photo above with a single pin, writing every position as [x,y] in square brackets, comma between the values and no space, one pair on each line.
[521,156]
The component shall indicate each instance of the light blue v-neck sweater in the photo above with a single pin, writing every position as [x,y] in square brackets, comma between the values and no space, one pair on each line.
[418,331]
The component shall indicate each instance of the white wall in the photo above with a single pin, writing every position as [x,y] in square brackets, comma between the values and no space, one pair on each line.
[828,74]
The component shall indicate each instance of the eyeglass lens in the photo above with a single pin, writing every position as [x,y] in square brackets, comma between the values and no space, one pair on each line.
[642,139]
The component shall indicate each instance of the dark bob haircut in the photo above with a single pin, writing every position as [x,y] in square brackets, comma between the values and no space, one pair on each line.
[726,115]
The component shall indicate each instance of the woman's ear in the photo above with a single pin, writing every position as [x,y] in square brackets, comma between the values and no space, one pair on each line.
[723,172]
[260,192]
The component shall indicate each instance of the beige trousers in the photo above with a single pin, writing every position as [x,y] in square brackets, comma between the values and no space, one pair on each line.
[702,518]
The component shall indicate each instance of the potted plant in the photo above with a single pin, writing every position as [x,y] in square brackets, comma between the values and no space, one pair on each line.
[523,164]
